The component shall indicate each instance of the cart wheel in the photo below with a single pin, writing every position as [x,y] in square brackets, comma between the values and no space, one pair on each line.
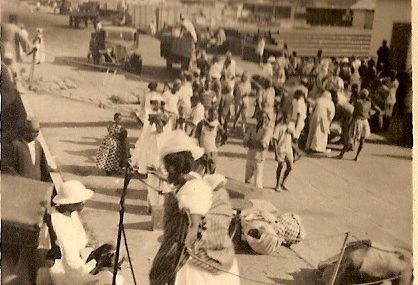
[169,65]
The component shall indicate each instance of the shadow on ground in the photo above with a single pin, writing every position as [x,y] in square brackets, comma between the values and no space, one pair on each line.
[114,207]
[302,277]
[394,156]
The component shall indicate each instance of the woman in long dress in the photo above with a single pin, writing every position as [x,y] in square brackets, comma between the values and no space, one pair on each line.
[40,47]
[208,256]
[110,154]
[319,126]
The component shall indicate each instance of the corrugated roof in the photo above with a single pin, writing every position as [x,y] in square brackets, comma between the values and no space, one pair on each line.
[364,5]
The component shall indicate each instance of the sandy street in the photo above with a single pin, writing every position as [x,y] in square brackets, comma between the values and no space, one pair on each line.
[371,198]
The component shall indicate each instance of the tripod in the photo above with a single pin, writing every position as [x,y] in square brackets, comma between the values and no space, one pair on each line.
[121,228]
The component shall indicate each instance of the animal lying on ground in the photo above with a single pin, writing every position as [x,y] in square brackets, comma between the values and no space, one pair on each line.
[365,261]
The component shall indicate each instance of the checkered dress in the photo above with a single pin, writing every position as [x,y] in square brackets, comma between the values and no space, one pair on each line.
[289,228]
[108,156]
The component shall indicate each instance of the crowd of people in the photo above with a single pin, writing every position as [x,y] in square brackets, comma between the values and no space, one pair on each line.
[293,106]
[299,106]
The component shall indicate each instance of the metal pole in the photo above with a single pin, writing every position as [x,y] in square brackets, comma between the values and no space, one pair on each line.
[32,69]
[340,258]
[121,216]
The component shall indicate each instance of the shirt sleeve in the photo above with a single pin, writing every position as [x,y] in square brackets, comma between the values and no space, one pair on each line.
[195,195]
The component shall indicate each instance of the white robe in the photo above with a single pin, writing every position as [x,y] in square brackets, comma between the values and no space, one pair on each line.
[147,154]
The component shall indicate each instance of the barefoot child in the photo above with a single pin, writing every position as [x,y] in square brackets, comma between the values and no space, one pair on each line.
[207,133]
[282,142]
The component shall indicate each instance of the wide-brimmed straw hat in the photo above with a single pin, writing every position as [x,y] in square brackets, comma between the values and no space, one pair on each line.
[179,141]
[72,192]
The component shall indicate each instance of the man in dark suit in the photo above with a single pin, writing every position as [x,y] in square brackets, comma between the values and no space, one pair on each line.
[28,158]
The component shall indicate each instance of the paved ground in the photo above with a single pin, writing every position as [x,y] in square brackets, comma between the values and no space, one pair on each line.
[371,198]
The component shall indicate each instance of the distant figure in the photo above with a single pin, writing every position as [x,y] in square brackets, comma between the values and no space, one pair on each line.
[319,126]
[40,46]
[383,55]
[187,26]
[207,133]
[25,34]
[282,142]
[112,148]
[257,140]
[390,87]
[261,44]
[360,128]
[153,27]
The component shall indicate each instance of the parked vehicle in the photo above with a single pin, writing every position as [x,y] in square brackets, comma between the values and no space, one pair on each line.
[85,12]
[115,47]
[176,48]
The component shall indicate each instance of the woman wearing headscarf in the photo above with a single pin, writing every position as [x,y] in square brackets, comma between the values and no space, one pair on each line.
[319,126]
[197,214]
[72,239]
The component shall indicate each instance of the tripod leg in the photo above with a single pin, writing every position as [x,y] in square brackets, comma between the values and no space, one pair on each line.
[129,256]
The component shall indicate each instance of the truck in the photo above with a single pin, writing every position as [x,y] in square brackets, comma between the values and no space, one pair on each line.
[85,12]
[116,47]
[176,49]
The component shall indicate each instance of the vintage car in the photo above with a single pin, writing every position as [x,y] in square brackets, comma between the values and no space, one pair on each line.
[116,47]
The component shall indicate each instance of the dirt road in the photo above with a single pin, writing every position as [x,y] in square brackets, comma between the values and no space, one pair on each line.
[371,198]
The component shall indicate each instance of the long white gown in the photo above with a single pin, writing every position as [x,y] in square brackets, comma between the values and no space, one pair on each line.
[319,125]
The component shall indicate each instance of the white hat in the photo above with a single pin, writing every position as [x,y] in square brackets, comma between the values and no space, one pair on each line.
[345,60]
[72,192]
[178,141]
[271,59]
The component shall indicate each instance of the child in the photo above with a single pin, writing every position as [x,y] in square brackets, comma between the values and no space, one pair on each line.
[282,141]
[180,123]
[207,133]
[257,140]
[359,128]
[110,154]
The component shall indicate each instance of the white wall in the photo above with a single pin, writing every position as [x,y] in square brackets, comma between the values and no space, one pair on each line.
[386,13]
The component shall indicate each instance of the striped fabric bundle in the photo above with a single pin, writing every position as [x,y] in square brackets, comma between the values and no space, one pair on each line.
[215,250]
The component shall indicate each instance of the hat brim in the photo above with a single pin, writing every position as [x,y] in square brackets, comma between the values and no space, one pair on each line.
[84,196]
